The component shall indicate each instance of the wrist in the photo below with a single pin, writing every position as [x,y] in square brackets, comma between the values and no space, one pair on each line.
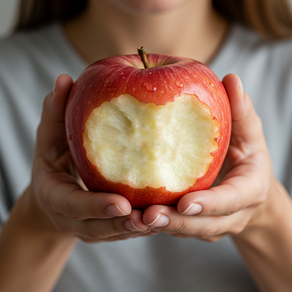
[265,244]
[33,253]
[33,219]
[271,214]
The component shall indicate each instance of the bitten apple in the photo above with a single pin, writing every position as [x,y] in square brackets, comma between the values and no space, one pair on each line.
[150,134]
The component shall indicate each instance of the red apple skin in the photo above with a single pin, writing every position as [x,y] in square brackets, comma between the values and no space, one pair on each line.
[172,76]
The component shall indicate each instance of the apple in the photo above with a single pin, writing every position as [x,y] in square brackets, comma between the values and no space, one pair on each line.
[150,134]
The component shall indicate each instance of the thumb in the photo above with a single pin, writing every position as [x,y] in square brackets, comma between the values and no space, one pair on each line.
[246,124]
[51,130]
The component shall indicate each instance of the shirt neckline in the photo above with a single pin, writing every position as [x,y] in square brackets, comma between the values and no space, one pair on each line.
[223,61]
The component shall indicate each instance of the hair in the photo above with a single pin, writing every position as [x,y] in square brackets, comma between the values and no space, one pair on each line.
[35,13]
[270,18]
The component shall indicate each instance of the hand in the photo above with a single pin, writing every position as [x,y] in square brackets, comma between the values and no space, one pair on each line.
[57,196]
[242,195]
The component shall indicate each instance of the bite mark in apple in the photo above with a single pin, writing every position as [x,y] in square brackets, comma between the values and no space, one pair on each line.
[141,144]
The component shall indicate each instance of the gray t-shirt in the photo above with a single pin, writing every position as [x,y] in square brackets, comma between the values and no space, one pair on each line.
[29,64]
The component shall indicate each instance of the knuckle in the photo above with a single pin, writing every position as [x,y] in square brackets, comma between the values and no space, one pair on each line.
[88,230]
[239,226]
[115,227]
[180,226]
[211,231]
[212,206]
[93,210]
[69,210]
[237,229]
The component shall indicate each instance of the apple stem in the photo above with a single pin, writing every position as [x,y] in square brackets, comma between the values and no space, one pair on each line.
[142,53]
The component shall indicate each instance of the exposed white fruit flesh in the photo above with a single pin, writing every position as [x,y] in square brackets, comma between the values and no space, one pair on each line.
[143,145]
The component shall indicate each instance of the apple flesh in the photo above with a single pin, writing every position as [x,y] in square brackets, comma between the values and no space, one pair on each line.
[143,145]
[152,134]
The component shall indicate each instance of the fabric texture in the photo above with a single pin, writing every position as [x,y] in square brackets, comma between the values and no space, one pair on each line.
[30,62]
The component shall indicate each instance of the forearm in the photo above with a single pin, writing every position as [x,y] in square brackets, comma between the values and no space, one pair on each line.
[267,249]
[32,252]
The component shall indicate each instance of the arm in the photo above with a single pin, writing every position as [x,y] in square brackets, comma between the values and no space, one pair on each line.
[32,257]
[266,244]
[55,210]
[249,204]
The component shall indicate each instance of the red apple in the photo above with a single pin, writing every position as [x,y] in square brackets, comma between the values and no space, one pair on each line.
[150,134]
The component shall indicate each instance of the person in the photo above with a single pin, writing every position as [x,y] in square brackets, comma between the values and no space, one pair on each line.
[236,236]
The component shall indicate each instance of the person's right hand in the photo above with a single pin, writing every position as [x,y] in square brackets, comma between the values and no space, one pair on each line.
[61,202]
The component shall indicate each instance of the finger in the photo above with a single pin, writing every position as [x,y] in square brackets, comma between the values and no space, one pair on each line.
[194,226]
[209,239]
[51,129]
[235,193]
[135,222]
[127,236]
[246,125]
[99,229]
[61,194]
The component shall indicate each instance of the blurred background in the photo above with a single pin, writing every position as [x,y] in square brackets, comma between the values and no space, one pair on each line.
[8,13]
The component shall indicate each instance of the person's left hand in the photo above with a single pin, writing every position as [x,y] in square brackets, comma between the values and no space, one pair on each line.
[242,195]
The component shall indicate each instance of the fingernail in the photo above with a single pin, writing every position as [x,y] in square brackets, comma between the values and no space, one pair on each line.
[132,227]
[55,87]
[160,221]
[115,210]
[192,209]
